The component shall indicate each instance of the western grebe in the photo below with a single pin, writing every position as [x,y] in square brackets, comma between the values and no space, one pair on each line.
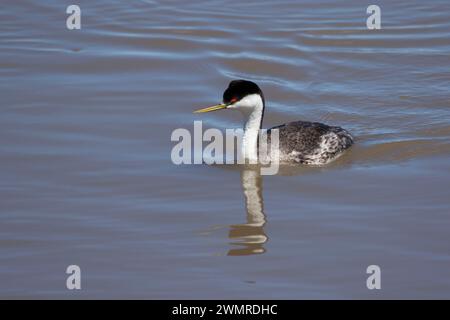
[302,142]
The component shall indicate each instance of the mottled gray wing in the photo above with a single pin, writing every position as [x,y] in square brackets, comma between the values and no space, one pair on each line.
[301,136]
[311,142]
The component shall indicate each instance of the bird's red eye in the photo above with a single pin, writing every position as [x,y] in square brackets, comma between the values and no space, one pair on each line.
[233,100]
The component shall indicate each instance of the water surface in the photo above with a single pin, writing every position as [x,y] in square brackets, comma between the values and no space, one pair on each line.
[85,170]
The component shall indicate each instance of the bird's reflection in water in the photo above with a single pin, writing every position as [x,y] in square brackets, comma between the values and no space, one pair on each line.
[250,237]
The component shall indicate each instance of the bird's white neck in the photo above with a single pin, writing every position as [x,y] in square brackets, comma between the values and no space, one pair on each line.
[253,115]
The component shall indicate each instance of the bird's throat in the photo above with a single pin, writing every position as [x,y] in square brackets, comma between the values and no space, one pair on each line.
[251,132]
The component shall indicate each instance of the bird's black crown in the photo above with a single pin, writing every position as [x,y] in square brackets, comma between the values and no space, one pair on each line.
[238,89]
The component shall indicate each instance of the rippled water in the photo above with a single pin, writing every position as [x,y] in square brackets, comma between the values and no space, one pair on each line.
[85,170]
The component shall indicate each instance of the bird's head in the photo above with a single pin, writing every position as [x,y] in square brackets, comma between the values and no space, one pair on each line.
[241,95]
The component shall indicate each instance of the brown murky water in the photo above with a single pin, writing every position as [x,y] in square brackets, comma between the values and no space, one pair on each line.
[86,176]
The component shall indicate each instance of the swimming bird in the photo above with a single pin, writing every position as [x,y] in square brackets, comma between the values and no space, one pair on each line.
[300,142]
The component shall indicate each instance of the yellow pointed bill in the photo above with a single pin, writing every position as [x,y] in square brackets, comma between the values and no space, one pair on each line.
[213,108]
